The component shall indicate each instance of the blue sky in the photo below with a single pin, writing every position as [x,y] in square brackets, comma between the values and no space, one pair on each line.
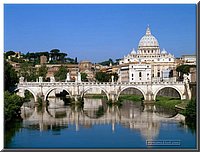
[98,32]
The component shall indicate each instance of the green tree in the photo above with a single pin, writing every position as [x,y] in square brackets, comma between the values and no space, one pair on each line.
[190,114]
[28,71]
[60,75]
[184,69]
[107,63]
[43,71]
[115,76]
[102,77]
[55,54]
[84,77]
[10,76]
[62,57]
[9,53]
[12,105]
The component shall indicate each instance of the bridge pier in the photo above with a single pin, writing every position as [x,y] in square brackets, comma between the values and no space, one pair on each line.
[113,97]
[149,97]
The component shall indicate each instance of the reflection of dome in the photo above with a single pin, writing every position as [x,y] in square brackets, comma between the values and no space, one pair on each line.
[164,51]
[148,40]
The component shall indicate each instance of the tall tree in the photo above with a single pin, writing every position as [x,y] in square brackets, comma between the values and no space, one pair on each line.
[43,71]
[55,54]
[102,77]
[12,105]
[10,76]
[84,77]
[184,69]
[28,71]
[9,53]
[60,75]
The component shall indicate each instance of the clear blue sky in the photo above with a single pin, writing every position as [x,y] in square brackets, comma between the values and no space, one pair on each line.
[98,32]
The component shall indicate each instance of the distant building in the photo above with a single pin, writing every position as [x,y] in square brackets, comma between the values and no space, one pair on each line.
[139,72]
[53,68]
[16,55]
[16,66]
[43,59]
[87,67]
[162,64]
[189,59]
[123,73]
[193,74]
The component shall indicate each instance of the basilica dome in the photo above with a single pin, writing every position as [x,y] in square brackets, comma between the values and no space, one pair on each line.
[148,40]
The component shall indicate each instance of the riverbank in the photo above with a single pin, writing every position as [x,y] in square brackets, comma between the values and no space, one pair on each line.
[135,98]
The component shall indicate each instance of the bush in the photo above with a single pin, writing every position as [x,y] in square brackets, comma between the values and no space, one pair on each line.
[12,105]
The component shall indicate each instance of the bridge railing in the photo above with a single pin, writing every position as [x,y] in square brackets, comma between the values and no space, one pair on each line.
[37,84]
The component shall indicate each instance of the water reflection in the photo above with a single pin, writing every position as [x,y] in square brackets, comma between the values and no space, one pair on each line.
[133,115]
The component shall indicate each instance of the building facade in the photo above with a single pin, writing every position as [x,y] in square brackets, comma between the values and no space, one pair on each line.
[148,56]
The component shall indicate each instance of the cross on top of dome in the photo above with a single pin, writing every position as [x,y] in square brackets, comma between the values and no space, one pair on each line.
[148,31]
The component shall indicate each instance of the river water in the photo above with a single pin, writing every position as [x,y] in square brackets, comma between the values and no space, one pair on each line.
[94,124]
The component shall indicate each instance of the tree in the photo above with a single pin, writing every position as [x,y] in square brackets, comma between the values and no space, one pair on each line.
[43,71]
[55,54]
[190,114]
[115,76]
[62,57]
[9,53]
[28,71]
[60,75]
[12,105]
[184,69]
[84,77]
[102,77]
[10,76]
[75,60]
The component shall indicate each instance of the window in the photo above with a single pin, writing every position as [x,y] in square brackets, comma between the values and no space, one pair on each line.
[169,59]
[158,74]
[132,74]
[140,74]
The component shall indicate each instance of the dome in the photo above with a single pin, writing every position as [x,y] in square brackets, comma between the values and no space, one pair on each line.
[148,40]
[133,51]
[164,51]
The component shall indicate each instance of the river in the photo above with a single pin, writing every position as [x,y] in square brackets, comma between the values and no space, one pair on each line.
[94,124]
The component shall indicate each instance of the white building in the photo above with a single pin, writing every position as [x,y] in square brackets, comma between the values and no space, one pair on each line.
[189,59]
[162,64]
[139,72]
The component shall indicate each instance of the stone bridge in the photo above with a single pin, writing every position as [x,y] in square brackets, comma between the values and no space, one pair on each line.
[112,90]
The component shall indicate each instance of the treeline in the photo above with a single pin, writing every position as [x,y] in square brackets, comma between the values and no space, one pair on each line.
[12,102]
[55,56]
[110,61]
[184,69]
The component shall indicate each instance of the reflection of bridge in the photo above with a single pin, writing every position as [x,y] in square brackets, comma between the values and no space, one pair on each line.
[129,116]
[112,90]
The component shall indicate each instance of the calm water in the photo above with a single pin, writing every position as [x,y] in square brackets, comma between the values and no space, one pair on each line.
[96,125]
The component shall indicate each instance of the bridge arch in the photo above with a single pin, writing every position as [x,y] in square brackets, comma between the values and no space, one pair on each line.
[91,87]
[54,88]
[128,87]
[23,91]
[163,87]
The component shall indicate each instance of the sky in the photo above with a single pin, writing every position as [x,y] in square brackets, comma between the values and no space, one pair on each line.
[100,31]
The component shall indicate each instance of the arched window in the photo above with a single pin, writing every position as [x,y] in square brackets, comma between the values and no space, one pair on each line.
[158,74]
[140,74]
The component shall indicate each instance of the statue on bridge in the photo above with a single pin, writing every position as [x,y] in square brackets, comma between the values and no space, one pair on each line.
[21,79]
[68,77]
[40,79]
[52,79]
